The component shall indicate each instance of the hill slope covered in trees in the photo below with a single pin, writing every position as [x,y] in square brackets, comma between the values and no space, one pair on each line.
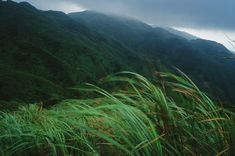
[43,53]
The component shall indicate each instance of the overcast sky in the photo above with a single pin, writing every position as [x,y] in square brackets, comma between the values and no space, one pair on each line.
[208,19]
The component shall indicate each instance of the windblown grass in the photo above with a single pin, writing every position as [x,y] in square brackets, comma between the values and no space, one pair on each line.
[170,116]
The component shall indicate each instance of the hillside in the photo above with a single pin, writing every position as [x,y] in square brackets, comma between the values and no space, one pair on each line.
[95,84]
[142,120]
[44,53]
[54,49]
[181,33]
[204,61]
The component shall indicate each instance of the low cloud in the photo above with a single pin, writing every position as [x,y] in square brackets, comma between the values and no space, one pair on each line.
[216,14]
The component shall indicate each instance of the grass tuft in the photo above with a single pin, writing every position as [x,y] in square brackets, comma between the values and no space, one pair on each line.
[161,117]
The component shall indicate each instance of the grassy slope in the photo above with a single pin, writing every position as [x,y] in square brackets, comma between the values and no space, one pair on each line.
[161,117]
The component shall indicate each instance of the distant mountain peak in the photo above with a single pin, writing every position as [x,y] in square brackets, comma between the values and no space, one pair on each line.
[25,5]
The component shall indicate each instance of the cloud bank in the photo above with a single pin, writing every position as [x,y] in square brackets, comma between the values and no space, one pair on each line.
[211,14]
[201,15]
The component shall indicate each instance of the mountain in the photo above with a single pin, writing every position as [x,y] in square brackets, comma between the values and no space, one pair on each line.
[129,31]
[181,33]
[44,53]
[204,61]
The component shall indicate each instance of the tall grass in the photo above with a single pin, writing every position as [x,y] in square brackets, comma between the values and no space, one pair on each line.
[167,116]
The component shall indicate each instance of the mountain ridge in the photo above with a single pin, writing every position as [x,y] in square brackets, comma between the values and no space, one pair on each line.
[69,49]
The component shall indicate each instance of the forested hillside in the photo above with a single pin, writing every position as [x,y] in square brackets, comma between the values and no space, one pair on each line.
[43,53]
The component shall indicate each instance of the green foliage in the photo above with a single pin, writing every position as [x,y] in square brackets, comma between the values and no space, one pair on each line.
[56,49]
[204,61]
[170,116]
[27,87]
[67,50]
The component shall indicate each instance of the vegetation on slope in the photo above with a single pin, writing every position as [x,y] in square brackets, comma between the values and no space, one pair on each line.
[204,61]
[166,116]
[69,49]
[43,53]
[54,47]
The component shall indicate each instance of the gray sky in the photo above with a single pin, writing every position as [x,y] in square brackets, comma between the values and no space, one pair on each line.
[208,19]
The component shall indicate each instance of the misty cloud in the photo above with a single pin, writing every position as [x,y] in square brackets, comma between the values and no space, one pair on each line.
[215,14]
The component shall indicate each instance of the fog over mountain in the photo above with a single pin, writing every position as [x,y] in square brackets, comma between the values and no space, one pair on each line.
[184,13]
[204,18]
